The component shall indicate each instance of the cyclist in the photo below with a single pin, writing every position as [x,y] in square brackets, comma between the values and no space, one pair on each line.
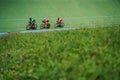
[59,23]
[32,23]
[45,24]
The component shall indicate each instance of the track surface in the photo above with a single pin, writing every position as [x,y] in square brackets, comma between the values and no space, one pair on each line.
[15,14]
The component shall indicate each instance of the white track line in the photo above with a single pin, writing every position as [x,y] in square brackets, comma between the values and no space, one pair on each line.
[3,33]
[41,30]
[75,17]
[47,30]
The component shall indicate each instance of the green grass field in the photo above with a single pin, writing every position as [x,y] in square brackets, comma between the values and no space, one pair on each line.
[14,14]
[82,54]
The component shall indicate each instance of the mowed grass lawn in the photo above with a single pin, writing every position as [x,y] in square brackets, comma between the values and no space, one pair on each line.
[82,54]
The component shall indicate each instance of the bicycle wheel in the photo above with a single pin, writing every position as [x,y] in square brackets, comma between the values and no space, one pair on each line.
[59,25]
[48,26]
[42,26]
[28,27]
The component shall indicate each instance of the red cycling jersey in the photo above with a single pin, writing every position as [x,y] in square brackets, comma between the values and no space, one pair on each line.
[46,20]
[59,20]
